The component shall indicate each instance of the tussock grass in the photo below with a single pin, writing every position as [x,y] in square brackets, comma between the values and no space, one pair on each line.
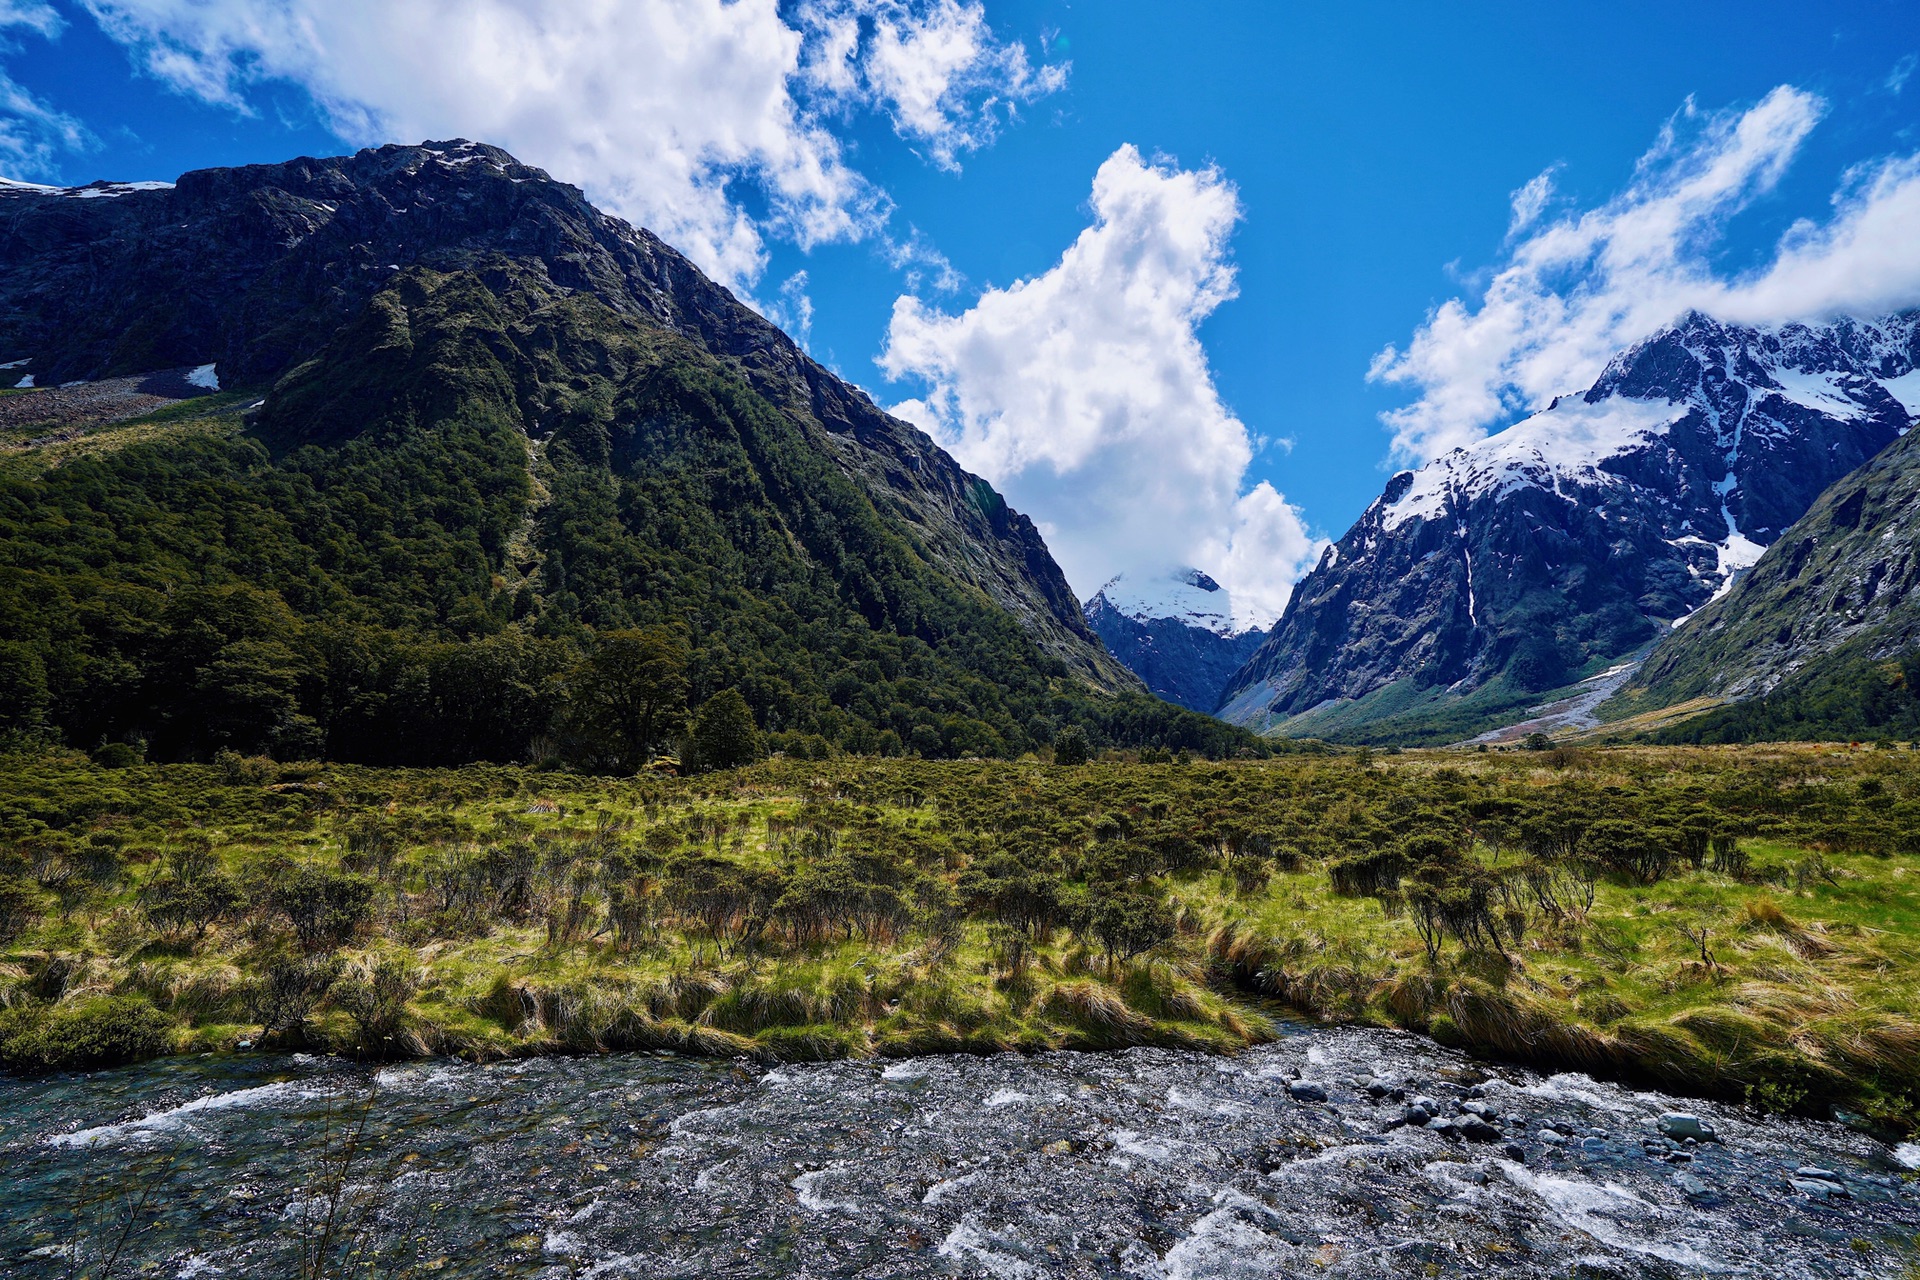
[1790,979]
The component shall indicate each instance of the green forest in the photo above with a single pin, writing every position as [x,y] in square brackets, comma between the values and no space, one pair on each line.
[1730,921]
[378,563]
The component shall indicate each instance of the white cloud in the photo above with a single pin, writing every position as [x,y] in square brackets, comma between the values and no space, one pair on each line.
[34,15]
[1576,290]
[32,133]
[1530,201]
[936,69]
[1902,71]
[792,309]
[665,111]
[1085,395]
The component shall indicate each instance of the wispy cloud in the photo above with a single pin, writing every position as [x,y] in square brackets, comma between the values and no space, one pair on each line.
[1530,201]
[33,133]
[1085,394]
[936,69]
[1902,72]
[1573,290]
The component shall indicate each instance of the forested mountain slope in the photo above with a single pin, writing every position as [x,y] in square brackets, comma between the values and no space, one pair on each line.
[477,426]
[1821,639]
[1569,540]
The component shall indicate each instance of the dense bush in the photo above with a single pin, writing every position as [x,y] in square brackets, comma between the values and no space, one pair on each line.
[104,1031]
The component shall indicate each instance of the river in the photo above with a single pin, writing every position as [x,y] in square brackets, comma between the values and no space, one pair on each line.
[1147,1163]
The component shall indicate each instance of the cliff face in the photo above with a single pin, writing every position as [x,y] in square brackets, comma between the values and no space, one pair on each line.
[257,269]
[1576,536]
[1845,576]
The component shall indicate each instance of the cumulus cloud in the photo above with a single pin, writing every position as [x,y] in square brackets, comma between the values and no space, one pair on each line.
[1573,291]
[32,133]
[1085,395]
[668,112]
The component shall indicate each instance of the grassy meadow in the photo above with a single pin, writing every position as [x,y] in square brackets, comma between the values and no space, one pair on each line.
[1741,922]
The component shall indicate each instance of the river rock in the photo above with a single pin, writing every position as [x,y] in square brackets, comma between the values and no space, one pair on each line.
[1681,1125]
[1691,1187]
[1478,1130]
[1552,1137]
[1307,1091]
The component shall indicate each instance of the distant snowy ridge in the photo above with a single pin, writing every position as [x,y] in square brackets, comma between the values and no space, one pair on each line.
[1850,370]
[1575,537]
[1183,594]
[1175,629]
[92,191]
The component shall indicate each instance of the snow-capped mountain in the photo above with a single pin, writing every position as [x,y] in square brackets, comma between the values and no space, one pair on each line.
[1578,535]
[1175,630]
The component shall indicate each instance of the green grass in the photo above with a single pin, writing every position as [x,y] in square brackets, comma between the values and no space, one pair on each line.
[1808,998]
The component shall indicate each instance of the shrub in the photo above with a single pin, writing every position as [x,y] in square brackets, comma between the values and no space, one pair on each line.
[376,999]
[326,908]
[116,755]
[178,903]
[289,991]
[19,908]
[101,1032]
[1367,874]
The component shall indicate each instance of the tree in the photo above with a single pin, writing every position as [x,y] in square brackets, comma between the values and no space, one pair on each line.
[630,696]
[724,735]
[1070,746]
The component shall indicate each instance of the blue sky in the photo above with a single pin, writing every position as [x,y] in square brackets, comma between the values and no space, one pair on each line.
[1340,170]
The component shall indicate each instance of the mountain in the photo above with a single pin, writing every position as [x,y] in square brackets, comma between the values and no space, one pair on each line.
[1568,541]
[1822,638]
[1175,631]
[472,426]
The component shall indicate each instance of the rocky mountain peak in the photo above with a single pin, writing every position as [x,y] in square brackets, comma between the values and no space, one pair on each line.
[1578,534]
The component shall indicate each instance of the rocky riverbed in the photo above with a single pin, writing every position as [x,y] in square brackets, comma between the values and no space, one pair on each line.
[1331,1153]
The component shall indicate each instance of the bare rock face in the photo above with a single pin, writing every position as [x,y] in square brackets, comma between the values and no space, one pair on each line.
[256,268]
[1575,537]
[1846,576]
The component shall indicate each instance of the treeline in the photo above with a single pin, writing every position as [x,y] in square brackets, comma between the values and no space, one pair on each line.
[368,574]
[1843,698]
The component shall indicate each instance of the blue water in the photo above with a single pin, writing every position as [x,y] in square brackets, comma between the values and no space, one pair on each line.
[1148,1163]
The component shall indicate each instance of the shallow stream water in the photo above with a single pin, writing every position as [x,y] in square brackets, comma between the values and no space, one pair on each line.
[1148,1163]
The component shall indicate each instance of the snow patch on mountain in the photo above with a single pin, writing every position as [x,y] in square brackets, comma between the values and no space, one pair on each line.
[1183,594]
[92,191]
[1570,439]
